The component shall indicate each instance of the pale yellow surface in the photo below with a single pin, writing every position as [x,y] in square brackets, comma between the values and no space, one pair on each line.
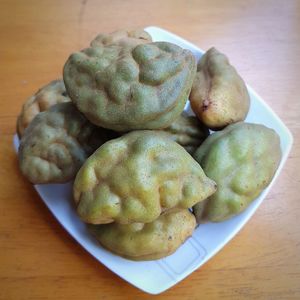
[38,259]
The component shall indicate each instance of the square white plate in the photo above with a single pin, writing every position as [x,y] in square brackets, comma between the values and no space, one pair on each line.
[157,276]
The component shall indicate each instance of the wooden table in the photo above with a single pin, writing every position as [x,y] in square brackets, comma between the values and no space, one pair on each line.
[38,259]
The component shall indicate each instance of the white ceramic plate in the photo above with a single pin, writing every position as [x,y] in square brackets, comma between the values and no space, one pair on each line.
[157,276]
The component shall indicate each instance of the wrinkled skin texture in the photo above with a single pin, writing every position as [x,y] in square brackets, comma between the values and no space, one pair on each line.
[49,95]
[242,159]
[188,132]
[56,143]
[125,88]
[136,177]
[122,38]
[219,95]
[138,241]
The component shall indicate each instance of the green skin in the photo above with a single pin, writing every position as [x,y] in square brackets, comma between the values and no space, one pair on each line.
[57,142]
[126,88]
[136,177]
[242,159]
[149,241]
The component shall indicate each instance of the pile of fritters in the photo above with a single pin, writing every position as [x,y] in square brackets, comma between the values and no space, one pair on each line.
[144,170]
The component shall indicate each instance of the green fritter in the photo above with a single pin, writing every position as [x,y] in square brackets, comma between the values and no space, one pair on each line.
[47,96]
[219,95]
[139,241]
[242,159]
[127,87]
[136,177]
[56,144]
[188,132]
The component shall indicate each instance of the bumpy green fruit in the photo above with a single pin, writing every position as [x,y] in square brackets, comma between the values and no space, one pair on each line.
[242,159]
[124,88]
[219,95]
[136,177]
[139,241]
[57,142]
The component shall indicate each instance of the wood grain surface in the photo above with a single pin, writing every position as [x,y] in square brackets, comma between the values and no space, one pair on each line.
[38,259]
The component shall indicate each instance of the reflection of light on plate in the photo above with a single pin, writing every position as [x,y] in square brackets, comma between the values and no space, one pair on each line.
[156,276]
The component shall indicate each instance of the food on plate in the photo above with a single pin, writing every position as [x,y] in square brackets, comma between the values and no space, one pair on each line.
[242,159]
[126,88]
[139,241]
[136,177]
[122,38]
[219,95]
[57,142]
[143,187]
[50,94]
[188,132]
